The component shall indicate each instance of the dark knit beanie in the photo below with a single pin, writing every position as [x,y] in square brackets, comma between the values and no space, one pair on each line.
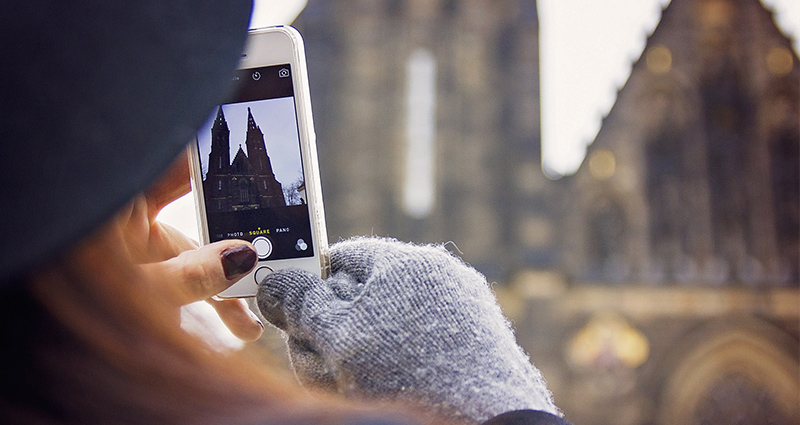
[97,98]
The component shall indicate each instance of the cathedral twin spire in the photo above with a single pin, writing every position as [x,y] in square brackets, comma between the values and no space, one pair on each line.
[255,161]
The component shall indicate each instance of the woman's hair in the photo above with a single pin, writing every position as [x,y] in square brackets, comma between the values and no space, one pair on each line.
[87,342]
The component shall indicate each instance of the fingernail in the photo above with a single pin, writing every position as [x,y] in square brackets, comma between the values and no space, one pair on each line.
[257,320]
[238,260]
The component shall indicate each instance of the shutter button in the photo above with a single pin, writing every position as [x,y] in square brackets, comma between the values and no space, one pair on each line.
[263,247]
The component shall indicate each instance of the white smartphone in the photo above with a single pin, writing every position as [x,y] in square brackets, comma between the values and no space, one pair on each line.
[254,166]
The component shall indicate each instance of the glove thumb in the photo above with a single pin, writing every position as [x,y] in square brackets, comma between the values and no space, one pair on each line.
[282,300]
[281,296]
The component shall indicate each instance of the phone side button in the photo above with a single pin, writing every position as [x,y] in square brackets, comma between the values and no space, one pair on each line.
[261,273]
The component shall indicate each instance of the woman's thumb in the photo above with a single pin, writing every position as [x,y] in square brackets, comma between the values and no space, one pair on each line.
[206,271]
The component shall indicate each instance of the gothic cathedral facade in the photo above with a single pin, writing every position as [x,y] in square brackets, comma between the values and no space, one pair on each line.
[657,285]
[248,181]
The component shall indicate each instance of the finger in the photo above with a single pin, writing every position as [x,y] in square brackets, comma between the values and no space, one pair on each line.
[198,274]
[281,297]
[242,322]
[173,184]
[165,242]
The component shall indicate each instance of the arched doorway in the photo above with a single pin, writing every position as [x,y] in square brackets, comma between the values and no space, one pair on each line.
[737,373]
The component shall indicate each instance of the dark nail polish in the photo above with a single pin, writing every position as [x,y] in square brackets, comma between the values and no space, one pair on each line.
[256,319]
[238,260]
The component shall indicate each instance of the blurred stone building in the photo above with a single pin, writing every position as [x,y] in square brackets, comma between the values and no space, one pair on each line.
[427,114]
[694,175]
[659,284]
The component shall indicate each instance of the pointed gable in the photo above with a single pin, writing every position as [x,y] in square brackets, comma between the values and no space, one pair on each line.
[239,164]
[685,163]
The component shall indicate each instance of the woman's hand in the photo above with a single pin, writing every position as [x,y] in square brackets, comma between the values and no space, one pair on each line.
[169,257]
[396,321]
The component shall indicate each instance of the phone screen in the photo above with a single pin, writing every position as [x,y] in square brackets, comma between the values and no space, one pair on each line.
[252,170]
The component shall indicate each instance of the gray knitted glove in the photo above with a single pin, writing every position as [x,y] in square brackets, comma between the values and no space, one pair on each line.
[402,322]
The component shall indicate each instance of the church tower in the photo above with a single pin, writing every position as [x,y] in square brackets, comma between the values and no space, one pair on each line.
[263,182]
[216,180]
[428,119]
[694,175]
[256,149]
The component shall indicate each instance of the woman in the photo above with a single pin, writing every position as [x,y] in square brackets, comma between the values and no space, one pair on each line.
[99,100]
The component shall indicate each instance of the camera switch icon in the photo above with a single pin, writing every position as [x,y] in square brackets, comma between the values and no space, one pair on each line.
[283,73]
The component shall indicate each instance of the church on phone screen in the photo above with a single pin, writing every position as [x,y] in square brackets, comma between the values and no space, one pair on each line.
[246,183]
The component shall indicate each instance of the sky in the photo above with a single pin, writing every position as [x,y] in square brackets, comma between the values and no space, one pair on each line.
[587,49]
[275,12]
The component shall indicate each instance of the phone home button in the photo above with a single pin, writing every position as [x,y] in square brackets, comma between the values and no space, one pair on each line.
[263,247]
[261,274]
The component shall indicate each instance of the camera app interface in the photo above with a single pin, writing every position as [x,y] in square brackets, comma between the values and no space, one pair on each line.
[252,171]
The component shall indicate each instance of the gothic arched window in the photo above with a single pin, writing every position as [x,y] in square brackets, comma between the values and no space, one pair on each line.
[244,191]
[785,170]
[728,112]
[606,242]
[664,192]
[420,162]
